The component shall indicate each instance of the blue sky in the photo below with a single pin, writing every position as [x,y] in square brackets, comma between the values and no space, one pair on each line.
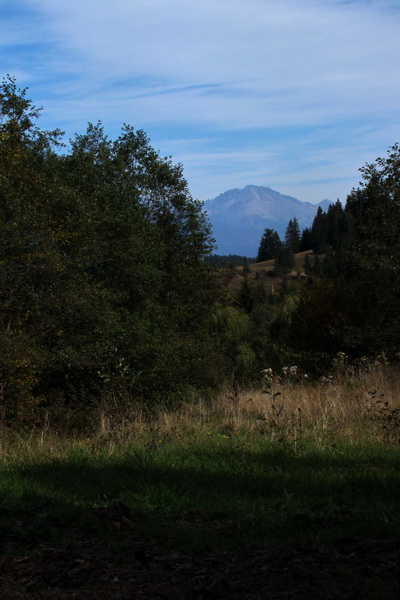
[295,95]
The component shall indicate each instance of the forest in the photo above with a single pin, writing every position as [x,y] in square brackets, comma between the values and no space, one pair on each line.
[108,284]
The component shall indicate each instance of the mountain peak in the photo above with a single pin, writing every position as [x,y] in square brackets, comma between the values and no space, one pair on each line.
[239,217]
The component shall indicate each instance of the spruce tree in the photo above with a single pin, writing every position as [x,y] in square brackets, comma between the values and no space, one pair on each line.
[292,236]
[270,243]
[306,240]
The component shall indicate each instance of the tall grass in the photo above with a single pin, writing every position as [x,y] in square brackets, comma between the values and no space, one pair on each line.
[294,460]
[352,407]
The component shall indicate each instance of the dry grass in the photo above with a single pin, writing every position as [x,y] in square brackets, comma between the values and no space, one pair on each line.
[348,407]
[263,271]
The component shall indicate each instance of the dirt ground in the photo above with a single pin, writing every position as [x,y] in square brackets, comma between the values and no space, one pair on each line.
[86,570]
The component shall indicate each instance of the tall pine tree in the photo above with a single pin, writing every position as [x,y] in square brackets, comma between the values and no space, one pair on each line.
[292,236]
[269,245]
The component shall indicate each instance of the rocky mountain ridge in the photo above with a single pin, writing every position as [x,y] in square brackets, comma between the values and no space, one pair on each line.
[239,217]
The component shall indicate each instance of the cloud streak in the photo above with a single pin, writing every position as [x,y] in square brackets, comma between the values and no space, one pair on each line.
[296,94]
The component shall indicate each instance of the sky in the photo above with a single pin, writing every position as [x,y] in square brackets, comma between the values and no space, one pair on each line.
[295,95]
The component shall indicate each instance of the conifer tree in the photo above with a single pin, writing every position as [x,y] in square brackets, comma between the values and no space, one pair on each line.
[270,243]
[306,240]
[354,305]
[319,232]
[292,236]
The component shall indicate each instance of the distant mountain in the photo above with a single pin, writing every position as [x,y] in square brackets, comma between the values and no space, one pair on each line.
[239,217]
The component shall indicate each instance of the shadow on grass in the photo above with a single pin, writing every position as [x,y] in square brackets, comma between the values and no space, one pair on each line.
[227,492]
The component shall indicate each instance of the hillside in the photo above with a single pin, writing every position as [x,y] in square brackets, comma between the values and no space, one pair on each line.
[264,272]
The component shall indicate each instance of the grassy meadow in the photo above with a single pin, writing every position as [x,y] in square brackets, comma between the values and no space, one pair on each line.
[297,460]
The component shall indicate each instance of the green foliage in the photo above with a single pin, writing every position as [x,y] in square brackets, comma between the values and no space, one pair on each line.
[331,230]
[101,264]
[284,261]
[308,265]
[233,328]
[355,307]
[306,240]
[292,236]
[319,232]
[269,245]
[372,269]
[320,318]
[245,296]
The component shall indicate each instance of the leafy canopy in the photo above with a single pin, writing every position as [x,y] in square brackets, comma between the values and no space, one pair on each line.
[103,280]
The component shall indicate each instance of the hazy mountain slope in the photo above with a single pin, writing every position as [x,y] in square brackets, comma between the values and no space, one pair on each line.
[239,217]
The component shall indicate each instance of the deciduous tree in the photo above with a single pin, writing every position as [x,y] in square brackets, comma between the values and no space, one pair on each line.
[102,272]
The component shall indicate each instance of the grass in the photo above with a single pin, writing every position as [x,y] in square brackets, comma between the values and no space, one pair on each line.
[302,462]
[219,491]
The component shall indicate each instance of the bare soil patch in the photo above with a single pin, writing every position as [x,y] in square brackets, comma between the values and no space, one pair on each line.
[87,570]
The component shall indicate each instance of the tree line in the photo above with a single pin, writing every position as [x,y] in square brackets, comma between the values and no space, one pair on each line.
[353,304]
[351,300]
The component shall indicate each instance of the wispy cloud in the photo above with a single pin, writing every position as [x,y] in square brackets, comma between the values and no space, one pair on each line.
[295,94]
